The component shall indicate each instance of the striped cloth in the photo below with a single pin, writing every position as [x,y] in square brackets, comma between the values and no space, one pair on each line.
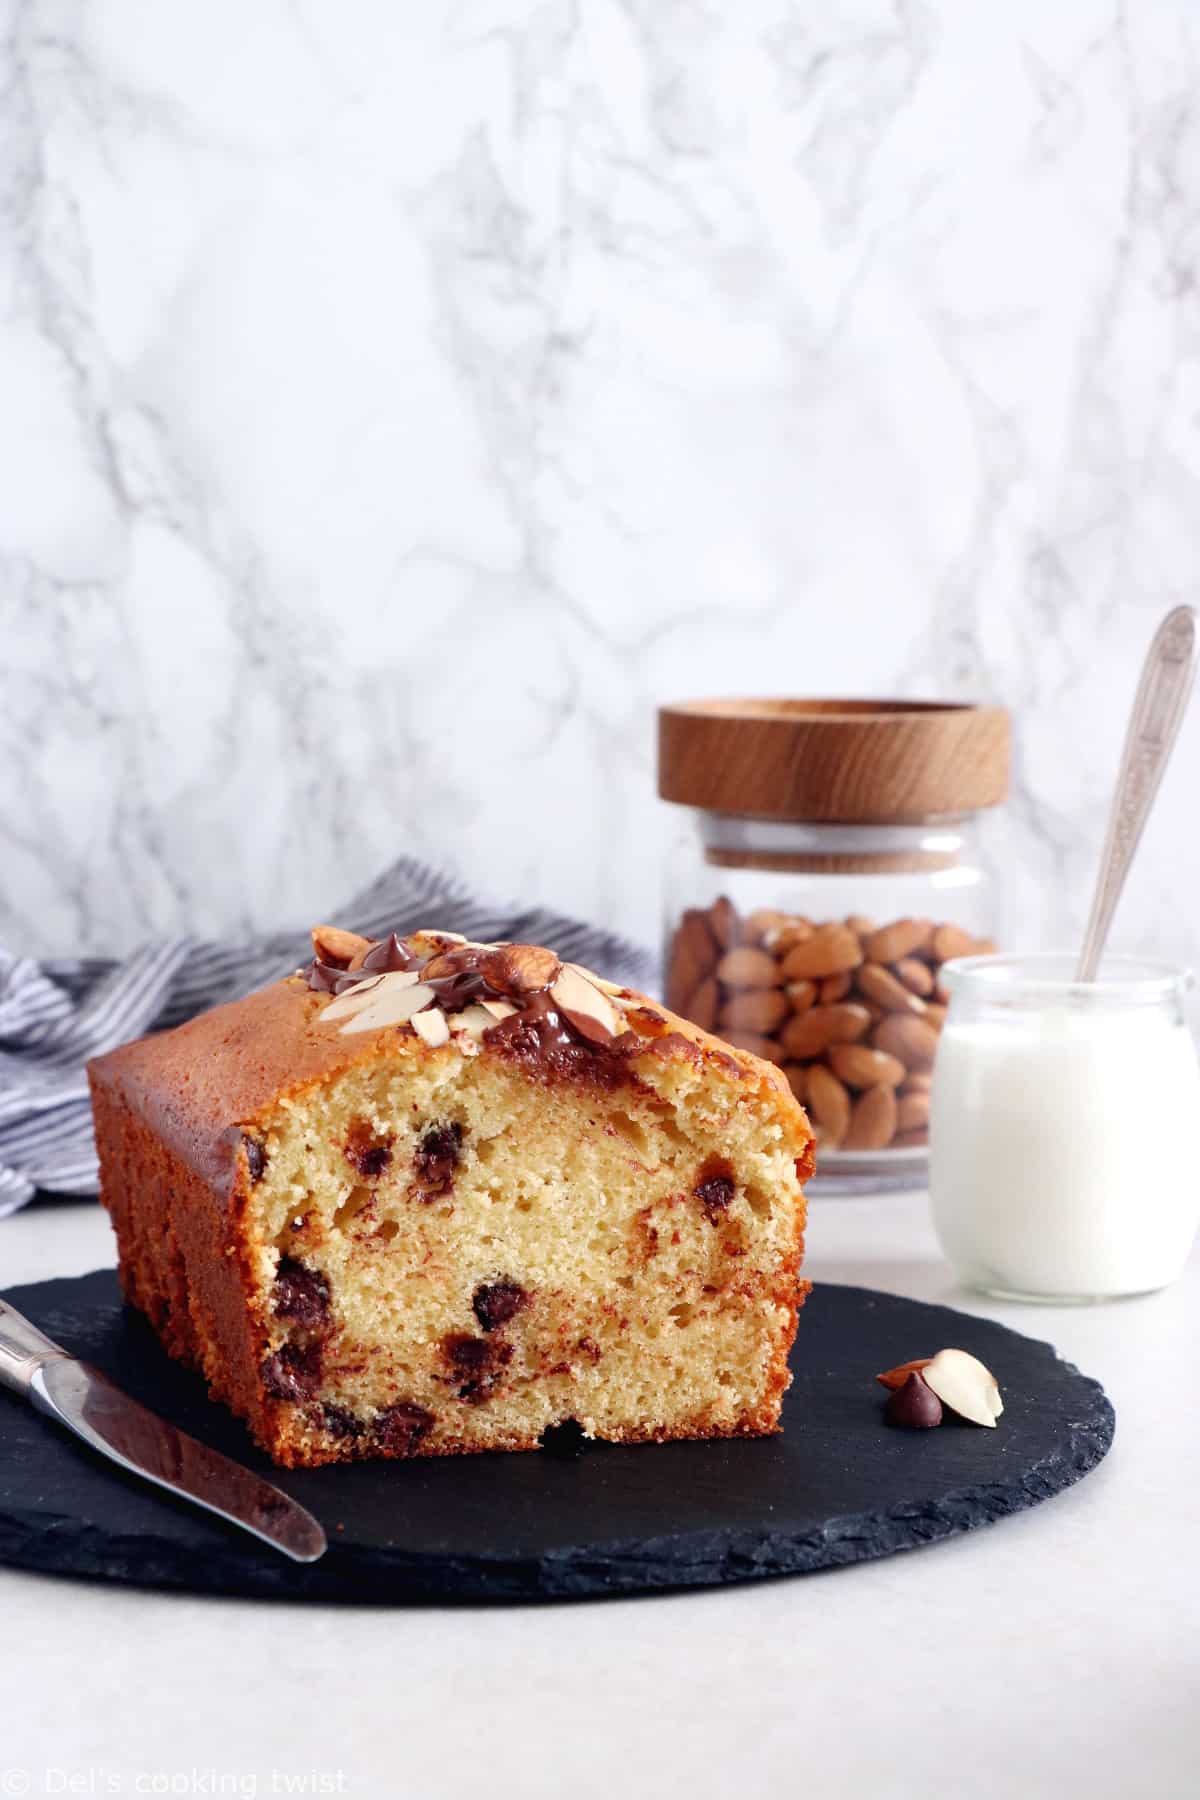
[55,1014]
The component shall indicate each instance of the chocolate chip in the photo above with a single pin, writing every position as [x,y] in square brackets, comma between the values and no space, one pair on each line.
[476,1364]
[714,1194]
[365,1152]
[256,1157]
[564,1442]
[301,1293]
[496,1302]
[914,1406]
[436,1157]
[293,1372]
[340,1422]
[400,1428]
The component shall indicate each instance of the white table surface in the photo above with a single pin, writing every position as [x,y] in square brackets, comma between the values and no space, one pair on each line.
[1057,1653]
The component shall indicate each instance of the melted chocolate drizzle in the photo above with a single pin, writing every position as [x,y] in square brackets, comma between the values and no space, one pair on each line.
[537,1034]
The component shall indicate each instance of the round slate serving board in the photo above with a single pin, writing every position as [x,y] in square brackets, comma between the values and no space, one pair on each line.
[837,1487]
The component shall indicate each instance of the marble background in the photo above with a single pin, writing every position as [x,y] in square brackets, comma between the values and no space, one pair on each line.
[396,402]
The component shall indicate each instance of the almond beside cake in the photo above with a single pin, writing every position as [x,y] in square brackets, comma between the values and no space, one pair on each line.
[430,1196]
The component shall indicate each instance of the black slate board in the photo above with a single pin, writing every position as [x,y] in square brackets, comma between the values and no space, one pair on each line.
[837,1487]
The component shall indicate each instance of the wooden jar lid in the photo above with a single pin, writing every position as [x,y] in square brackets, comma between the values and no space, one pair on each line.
[849,761]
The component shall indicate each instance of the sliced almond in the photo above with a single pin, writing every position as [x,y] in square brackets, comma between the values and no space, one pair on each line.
[499,1009]
[337,948]
[352,999]
[432,1025]
[590,1012]
[474,1020]
[896,1378]
[394,1002]
[597,981]
[962,1383]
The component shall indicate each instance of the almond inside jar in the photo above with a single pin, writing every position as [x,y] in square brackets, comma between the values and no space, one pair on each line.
[850,1009]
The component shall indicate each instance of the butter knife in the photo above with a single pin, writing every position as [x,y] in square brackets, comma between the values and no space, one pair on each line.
[129,1434]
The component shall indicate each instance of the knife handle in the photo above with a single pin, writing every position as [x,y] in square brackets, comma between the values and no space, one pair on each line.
[23,1350]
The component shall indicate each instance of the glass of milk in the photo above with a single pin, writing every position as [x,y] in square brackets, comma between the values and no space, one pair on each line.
[1062,1133]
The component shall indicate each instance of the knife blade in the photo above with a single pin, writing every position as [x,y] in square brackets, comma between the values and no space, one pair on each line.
[78,1396]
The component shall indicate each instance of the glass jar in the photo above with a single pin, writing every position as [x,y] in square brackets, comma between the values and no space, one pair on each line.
[1047,1181]
[830,860]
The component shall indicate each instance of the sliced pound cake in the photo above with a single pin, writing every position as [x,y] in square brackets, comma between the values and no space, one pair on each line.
[430,1196]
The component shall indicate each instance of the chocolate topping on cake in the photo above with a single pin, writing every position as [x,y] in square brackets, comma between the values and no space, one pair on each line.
[559,1021]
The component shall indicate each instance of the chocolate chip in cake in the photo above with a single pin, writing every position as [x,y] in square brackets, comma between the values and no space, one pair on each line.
[496,1302]
[476,1364]
[301,1293]
[293,1372]
[714,1190]
[436,1157]
[365,1152]
[400,1428]
[256,1157]
[340,1422]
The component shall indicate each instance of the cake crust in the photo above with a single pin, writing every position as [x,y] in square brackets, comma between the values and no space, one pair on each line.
[183,1121]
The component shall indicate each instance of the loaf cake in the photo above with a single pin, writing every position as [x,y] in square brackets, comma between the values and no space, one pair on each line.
[429,1196]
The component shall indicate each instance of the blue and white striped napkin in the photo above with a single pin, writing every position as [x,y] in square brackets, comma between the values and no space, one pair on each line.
[55,1014]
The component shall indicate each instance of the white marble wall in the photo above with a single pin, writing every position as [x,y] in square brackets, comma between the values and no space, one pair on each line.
[396,401]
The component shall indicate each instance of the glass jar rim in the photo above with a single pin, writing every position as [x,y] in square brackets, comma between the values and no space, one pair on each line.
[1050,975]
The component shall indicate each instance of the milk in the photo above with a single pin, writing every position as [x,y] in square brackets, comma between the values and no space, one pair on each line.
[1063,1148]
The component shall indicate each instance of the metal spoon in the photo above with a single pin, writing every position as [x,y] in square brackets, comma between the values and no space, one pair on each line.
[1158,709]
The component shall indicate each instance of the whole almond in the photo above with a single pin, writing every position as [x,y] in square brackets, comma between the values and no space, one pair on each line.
[903,937]
[797,1079]
[861,1067]
[701,1009]
[831,950]
[766,919]
[916,976]
[786,937]
[692,955]
[896,1378]
[829,1104]
[912,1112]
[860,925]
[872,1120]
[935,1016]
[941,993]
[952,940]
[834,988]
[756,1044]
[754,1009]
[912,1040]
[520,968]
[810,1034]
[746,967]
[910,1140]
[801,995]
[917,1084]
[880,985]
[724,923]
[337,948]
